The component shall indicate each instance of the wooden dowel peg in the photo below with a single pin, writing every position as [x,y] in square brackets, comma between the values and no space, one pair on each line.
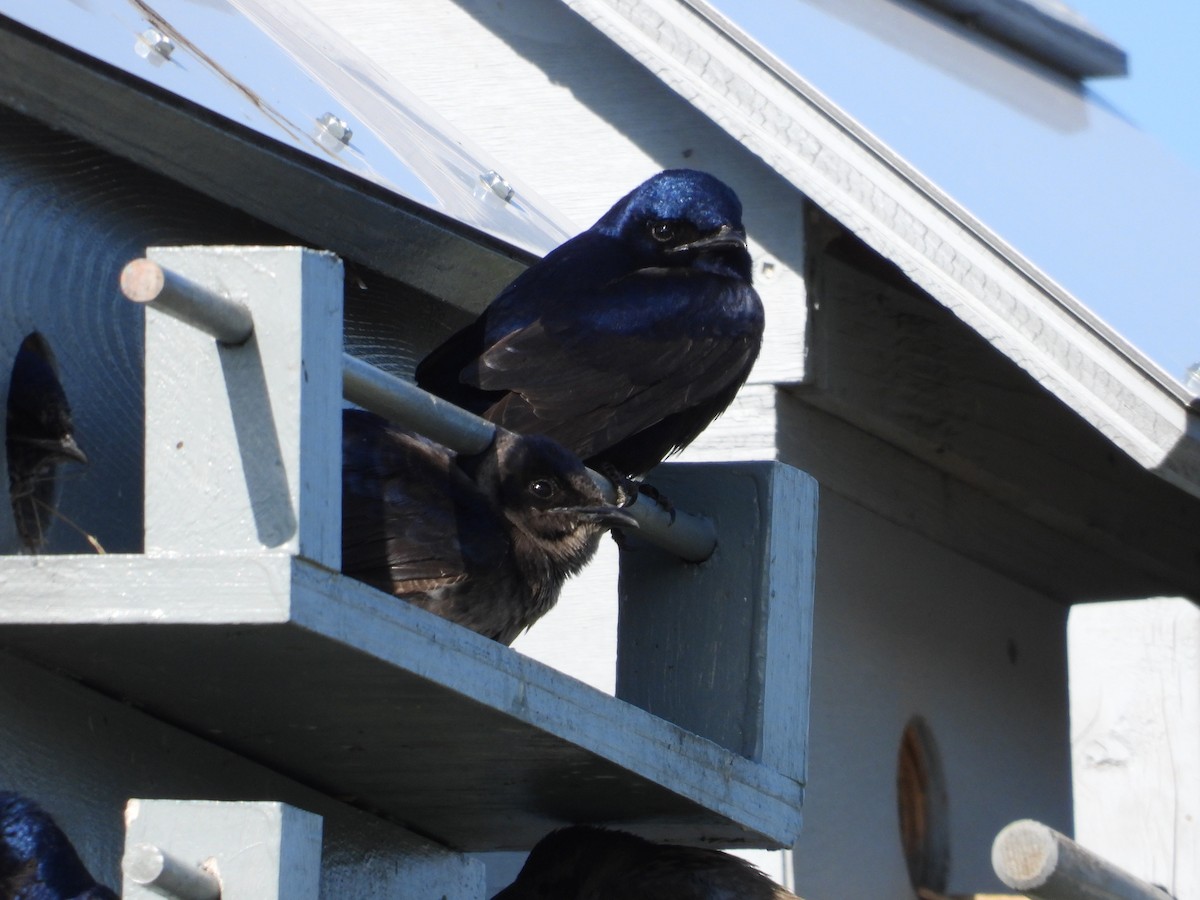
[144,281]
[1041,863]
[162,873]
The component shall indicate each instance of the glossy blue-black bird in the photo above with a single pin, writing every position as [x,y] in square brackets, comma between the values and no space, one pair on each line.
[586,863]
[40,436]
[626,341]
[485,541]
[37,861]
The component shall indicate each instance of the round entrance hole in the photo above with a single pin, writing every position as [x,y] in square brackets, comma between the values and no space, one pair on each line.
[39,437]
[921,796]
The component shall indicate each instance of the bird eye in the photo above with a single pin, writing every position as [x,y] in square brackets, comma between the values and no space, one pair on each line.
[543,488]
[662,231]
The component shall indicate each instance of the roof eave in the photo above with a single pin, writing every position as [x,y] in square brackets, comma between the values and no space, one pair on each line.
[894,209]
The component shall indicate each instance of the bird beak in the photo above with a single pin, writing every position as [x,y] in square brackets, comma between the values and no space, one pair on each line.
[71,450]
[608,516]
[65,447]
[725,236]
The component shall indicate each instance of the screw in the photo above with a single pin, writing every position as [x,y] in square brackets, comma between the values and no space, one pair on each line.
[336,128]
[154,46]
[499,186]
[332,133]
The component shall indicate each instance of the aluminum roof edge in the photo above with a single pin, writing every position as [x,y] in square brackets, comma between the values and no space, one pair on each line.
[1044,31]
[399,237]
[858,180]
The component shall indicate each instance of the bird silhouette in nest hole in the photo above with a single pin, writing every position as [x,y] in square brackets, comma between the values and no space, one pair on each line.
[39,438]
[586,863]
[626,341]
[485,540]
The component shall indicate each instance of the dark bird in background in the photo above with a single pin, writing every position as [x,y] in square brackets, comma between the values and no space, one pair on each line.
[39,438]
[37,861]
[485,541]
[625,342]
[585,863]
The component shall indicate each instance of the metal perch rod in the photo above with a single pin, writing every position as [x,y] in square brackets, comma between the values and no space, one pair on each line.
[1043,864]
[162,873]
[691,538]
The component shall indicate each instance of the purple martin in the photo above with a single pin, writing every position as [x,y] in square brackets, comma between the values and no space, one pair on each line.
[586,863]
[37,861]
[485,541]
[39,437]
[626,341]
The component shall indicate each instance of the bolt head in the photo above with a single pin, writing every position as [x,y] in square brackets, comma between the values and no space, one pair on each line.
[498,185]
[154,46]
[337,128]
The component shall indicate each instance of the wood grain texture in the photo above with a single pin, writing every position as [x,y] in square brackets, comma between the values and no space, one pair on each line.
[71,219]
[385,705]
[1135,737]
[317,203]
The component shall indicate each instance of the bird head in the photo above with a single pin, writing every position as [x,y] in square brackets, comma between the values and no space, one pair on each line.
[575,862]
[38,416]
[548,495]
[682,218]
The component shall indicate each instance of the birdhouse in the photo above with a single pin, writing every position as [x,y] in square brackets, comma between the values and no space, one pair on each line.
[945,443]
[176,605]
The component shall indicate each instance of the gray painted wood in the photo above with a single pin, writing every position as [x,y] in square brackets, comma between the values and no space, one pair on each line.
[1135,737]
[260,850]
[61,258]
[723,648]
[82,755]
[1011,479]
[903,627]
[243,444]
[381,703]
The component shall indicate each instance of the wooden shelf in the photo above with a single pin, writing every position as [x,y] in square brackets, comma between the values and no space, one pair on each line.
[379,703]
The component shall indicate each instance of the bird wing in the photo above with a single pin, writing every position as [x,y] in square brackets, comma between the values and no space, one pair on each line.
[412,522]
[589,375]
[688,873]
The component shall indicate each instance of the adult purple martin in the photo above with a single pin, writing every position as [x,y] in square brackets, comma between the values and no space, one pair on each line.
[39,437]
[586,863]
[485,541]
[626,341]
[37,861]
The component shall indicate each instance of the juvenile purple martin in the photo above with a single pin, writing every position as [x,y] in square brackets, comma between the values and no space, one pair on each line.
[40,437]
[485,541]
[626,341]
[585,863]
[37,861]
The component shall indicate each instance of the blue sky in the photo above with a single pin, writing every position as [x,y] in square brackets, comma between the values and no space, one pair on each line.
[1162,92]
